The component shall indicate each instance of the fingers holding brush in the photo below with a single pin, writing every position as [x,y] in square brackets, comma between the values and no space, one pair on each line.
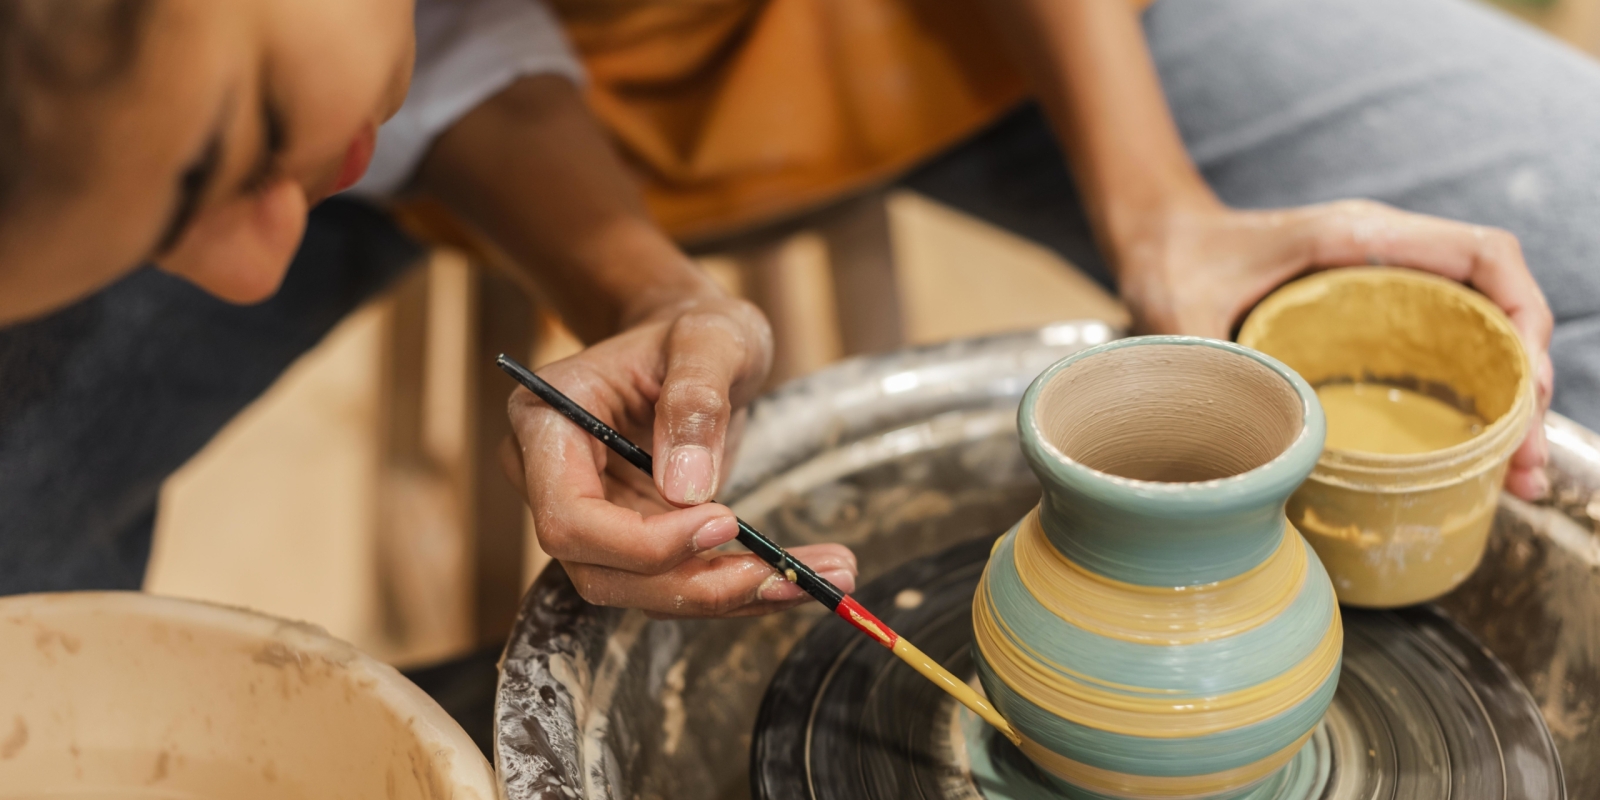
[768,579]
[577,519]
[621,548]
[658,562]
[728,585]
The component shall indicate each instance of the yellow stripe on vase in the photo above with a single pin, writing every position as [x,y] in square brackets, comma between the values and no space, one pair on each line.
[1156,614]
[1081,699]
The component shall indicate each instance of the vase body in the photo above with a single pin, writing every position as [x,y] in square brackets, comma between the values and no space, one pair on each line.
[1156,627]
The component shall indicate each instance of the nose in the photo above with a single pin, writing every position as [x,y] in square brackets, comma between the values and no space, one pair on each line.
[240,251]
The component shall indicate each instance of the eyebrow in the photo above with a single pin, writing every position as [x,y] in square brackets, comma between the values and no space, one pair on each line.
[199,175]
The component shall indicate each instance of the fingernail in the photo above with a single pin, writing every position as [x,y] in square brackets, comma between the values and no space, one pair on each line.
[691,477]
[1541,484]
[715,533]
[842,578]
[777,588]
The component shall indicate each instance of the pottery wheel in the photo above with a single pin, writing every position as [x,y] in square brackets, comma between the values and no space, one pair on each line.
[1422,711]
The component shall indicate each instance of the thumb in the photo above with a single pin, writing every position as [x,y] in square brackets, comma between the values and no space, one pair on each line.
[706,355]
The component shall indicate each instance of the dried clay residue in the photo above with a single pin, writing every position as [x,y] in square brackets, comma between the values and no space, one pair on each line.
[672,712]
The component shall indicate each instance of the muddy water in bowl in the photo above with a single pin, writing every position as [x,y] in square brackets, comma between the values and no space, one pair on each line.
[117,696]
[1428,392]
[1389,420]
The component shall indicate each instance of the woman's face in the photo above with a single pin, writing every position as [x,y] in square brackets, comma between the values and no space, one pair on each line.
[234,118]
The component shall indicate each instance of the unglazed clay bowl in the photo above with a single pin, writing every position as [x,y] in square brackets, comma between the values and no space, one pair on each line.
[124,695]
[1400,529]
[1156,628]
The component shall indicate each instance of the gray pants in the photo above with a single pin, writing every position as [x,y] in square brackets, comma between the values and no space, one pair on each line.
[1437,106]
[1444,107]
[103,400]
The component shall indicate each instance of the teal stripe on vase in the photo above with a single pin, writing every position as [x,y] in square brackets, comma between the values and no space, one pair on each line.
[1256,655]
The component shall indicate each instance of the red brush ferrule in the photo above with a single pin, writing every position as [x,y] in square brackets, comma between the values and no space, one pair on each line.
[853,613]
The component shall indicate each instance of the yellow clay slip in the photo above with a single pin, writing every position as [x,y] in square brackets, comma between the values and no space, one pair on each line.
[1374,418]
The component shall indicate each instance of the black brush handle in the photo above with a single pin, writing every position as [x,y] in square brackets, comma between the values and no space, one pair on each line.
[769,551]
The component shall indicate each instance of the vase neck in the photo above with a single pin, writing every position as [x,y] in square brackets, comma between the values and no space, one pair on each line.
[1166,461]
[1158,549]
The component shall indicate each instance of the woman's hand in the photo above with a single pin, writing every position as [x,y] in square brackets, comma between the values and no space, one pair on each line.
[672,383]
[672,360]
[1198,270]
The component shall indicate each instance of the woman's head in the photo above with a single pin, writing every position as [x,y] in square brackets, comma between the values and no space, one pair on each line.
[191,133]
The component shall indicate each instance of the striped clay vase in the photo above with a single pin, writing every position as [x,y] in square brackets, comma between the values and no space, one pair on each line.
[1156,628]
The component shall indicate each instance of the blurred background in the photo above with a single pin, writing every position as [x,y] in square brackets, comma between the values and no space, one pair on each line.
[363,492]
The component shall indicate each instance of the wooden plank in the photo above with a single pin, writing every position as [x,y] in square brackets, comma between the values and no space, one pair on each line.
[866,287]
[504,322]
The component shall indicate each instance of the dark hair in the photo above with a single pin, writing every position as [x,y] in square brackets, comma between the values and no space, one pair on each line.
[51,49]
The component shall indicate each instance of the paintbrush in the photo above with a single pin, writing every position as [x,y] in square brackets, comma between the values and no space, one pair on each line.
[795,572]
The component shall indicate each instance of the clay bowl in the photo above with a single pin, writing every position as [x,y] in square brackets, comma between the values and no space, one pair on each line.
[1400,529]
[902,455]
[123,695]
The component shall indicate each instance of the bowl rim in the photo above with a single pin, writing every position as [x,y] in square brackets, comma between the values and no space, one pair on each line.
[1486,446]
[462,763]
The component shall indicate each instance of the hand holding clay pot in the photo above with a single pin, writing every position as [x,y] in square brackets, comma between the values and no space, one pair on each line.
[1199,269]
[671,384]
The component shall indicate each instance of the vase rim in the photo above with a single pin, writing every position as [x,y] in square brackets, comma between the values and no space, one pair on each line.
[1279,475]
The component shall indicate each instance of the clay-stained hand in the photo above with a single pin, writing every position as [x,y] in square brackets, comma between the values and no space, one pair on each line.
[672,384]
[1198,270]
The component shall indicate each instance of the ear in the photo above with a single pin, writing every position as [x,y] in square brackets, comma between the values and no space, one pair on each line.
[239,251]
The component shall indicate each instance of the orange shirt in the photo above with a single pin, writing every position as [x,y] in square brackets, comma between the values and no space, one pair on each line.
[733,112]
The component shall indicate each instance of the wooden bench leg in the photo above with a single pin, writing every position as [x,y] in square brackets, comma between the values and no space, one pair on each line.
[450,524]
[421,539]
[790,280]
[867,291]
[505,324]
